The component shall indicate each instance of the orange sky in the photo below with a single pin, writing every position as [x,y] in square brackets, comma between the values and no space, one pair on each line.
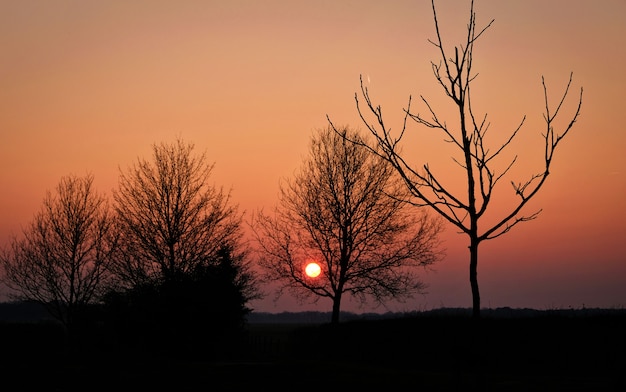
[90,86]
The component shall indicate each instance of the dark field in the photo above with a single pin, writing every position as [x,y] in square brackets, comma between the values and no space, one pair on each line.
[550,351]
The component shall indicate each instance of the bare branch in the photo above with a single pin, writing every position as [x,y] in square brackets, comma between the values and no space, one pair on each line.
[453,71]
[346,209]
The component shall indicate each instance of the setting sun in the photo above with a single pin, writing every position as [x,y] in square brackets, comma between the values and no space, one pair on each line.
[313,270]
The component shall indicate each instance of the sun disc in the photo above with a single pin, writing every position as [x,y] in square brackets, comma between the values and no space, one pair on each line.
[313,270]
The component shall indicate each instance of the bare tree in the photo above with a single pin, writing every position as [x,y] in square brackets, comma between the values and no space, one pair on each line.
[171,221]
[476,159]
[345,210]
[183,272]
[61,261]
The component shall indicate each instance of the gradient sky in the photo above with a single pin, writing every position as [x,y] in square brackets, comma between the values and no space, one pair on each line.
[89,86]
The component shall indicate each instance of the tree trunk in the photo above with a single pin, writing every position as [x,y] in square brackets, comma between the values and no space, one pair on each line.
[336,308]
[474,278]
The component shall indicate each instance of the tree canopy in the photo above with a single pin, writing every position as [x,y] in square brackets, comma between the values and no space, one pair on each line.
[346,210]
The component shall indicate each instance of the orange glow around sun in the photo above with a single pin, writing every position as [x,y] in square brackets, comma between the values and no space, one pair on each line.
[312,270]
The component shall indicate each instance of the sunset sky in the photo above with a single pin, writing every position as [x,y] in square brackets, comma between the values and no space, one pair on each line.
[89,86]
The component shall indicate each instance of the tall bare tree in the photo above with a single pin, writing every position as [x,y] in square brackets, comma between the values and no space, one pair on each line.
[61,261]
[182,260]
[476,159]
[171,220]
[345,210]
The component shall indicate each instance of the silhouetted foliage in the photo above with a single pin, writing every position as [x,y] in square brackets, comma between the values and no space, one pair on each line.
[345,209]
[198,314]
[476,159]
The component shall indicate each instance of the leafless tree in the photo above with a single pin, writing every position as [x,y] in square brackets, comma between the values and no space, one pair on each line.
[171,220]
[345,209]
[62,259]
[476,158]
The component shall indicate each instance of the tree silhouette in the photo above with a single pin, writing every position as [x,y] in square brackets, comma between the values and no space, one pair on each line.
[170,219]
[345,209]
[182,271]
[476,159]
[62,260]
[199,314]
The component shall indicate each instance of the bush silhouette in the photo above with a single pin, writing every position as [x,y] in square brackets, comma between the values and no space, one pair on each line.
[197,315]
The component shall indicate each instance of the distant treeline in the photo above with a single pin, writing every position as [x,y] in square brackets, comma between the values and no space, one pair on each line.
[314,317]
[23,311]
[34,312]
